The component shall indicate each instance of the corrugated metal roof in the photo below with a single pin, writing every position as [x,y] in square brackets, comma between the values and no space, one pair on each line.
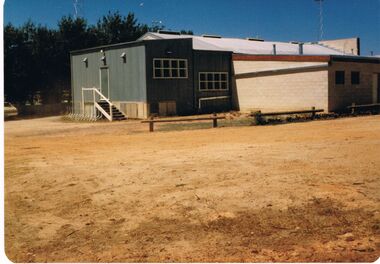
[243,46]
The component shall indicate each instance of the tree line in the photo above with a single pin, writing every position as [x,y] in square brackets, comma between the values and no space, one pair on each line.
[37,58]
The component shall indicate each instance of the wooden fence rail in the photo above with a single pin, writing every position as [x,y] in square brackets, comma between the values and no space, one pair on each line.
[354,107]
[259,115]
[151,120]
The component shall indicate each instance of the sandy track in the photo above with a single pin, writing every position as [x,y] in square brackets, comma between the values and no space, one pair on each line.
[114,193]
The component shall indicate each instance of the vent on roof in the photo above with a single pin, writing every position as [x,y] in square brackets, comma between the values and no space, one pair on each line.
[169,32]
[254,39]
[211,36]
[300,48]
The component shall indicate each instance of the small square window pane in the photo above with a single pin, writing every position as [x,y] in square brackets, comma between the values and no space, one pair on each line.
[224,85]
[223,76]
[202,76]
[157,73]
[166,73]
[210,77]
[157,63]
[210,85]
[203,85]
[174,73]
[166,63]
[216,76]
[182,73]
[182,64]
[174,64]
[217,85]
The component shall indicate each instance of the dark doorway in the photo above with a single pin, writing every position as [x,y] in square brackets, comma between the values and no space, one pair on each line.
[104,82]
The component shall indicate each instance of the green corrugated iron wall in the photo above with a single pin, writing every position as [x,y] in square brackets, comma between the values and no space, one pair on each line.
[127,80]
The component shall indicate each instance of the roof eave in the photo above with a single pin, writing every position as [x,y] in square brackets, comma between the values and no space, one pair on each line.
[280,57]
[123,44]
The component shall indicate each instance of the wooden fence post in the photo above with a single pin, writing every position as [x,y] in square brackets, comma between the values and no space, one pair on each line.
[214,121]
[151,124]
[313,113]
[258,119]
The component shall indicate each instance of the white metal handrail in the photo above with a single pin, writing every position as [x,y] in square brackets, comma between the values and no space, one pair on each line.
[96,105]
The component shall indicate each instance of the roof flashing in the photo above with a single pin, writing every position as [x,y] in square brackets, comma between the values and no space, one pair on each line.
[254,39]
[211,36]
[168,32]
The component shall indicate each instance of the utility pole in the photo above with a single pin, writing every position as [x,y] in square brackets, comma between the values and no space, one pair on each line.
[320,2]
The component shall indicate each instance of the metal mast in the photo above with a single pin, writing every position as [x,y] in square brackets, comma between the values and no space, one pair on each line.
[320,2]
[78,8]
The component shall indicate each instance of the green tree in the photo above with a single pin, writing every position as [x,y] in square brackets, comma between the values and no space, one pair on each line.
[115,28]
[72,34]
[19,63]
[37,58]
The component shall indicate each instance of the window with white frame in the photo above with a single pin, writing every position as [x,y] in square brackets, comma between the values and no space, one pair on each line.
[213,81]
[169,68]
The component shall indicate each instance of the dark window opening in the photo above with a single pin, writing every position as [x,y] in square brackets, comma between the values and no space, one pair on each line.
[157,73]
[182,73]
[174,73]
[157,64]
[202,77]
[339,77]
[355,77]
[166,73]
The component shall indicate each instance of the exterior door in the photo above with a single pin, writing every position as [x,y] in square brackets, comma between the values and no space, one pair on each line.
[104,81]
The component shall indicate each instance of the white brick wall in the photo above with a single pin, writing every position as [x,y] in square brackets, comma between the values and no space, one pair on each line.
[291,91]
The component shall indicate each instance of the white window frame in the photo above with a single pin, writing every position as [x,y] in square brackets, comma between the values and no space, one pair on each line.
[170,68]
[206,81]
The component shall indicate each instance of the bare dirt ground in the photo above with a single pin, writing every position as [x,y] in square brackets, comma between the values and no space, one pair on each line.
[102,192]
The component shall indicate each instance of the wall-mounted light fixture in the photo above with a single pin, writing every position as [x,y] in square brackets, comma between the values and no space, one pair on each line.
[85,60]
[103,58]
[124,57]
[168,52]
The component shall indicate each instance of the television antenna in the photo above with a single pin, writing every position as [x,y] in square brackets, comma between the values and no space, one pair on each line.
[78,8]
[320,2]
